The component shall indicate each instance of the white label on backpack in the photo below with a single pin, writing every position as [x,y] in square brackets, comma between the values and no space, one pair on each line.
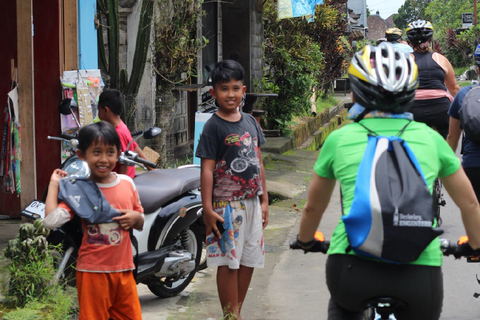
[409,220]
[75,200]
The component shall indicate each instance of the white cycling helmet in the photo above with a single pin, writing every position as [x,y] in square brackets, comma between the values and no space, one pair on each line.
[383,78]
[419,31]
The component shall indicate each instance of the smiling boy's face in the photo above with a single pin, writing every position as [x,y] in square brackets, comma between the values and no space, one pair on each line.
[228,94]
[101,159]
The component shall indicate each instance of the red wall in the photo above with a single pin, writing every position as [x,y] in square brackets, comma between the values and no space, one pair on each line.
[47,89]
[9,204]
[46,46]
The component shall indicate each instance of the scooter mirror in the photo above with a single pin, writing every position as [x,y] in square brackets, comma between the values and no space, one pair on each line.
[151,132]
[66,106]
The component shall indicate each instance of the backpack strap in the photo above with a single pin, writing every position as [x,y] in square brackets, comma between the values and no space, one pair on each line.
[403,129]
[373,133]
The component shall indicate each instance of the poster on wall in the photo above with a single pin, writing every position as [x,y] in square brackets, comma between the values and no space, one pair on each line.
[80,90]
[297,8]
[200,120]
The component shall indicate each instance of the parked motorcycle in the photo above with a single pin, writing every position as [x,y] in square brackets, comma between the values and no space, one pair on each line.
[169,246]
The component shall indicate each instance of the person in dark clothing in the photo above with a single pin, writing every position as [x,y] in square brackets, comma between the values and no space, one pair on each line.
[438,85]
[470,149]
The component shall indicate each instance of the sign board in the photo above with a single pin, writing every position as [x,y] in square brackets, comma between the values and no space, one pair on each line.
[467,20]
[200,120]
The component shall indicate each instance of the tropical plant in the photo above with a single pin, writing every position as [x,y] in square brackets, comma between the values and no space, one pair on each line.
[456,44]
[118,78]
[176,43]
[302,56]
[29,281]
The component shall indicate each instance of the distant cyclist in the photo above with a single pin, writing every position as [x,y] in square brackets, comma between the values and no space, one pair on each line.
[436,76]
[380,40]
[470,149]
[394,36]
[383,84]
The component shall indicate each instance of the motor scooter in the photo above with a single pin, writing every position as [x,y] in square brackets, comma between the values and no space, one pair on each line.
[169,246]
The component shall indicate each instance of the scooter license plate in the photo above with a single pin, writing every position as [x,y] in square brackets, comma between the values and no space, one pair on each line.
[35,210]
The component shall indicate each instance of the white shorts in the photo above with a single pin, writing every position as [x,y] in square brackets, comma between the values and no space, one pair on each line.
[242,241]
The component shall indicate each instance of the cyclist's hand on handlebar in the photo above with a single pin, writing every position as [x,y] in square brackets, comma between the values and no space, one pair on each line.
[318,244]
[465,250]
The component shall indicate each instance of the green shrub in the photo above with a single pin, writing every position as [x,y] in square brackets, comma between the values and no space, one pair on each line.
[28,279]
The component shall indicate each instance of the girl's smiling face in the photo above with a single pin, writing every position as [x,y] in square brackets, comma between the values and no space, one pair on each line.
[101,159]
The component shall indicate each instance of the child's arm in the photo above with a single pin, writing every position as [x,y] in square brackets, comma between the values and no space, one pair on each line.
[210,217]
[130,219]
[55,216]
[52,195]
[264,196]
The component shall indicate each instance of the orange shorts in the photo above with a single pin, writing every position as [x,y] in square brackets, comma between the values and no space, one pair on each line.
[103,296]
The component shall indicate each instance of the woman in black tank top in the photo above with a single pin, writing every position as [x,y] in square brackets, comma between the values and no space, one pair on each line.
[437,86]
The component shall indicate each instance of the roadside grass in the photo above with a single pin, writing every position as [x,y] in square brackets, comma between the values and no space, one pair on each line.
[320,104]
[460,70]
[464,83]
[328,102]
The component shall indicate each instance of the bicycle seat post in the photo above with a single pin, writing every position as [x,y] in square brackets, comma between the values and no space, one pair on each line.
[385,306]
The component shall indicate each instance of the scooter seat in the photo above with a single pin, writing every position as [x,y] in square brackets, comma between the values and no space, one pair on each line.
[157,187]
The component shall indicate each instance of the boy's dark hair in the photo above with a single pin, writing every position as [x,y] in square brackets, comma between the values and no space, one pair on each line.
[226,70]
[113,99]
[100,132]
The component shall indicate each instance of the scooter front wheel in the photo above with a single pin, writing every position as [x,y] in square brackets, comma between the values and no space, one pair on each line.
[166,288]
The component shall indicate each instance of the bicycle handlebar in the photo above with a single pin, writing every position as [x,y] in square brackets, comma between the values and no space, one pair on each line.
[448,248]
[318,246]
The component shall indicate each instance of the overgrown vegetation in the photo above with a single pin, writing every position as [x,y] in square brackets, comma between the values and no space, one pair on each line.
[446,16]
[176,43]
[302,56]
[28,280]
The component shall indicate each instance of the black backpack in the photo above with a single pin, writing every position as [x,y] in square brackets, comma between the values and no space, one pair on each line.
[391,216]
[470,114]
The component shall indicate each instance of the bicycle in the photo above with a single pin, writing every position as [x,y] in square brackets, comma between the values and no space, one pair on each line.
[383,308]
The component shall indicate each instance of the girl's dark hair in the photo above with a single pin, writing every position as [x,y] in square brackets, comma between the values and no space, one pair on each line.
[226,70]
[100,132]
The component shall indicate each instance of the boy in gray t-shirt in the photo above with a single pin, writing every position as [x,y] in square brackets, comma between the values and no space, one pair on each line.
[234,194]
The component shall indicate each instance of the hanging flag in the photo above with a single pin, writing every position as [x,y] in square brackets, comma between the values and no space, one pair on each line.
[297,8]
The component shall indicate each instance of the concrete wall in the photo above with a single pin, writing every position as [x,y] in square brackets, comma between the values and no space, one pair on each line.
[145,114]
[256,46]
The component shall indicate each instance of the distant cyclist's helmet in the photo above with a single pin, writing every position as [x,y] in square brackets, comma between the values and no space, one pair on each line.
[419,31]
[383,78]
[476,55]
[393,34]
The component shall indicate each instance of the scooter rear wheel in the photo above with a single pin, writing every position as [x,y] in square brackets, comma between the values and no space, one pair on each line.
[165,288]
